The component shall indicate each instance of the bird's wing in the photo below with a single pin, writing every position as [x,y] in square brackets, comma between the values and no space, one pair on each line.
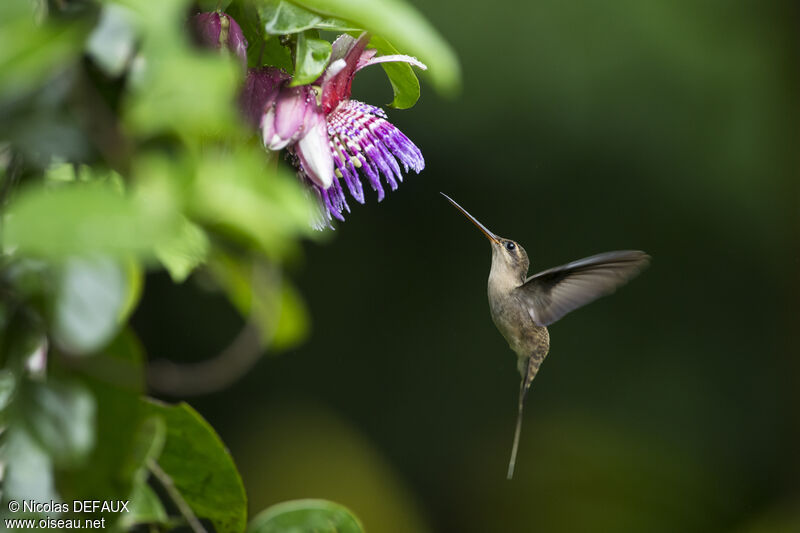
[553,293]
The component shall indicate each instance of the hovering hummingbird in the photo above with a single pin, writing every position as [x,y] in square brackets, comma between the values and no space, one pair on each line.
[522,307]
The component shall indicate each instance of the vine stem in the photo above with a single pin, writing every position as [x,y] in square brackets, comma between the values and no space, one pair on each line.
[173,492]
[229,365]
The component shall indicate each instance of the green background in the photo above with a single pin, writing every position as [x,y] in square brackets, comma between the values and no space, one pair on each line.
[667,126]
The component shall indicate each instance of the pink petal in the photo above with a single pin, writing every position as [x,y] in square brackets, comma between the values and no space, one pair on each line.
[366,55]
[236,41]
[260,90]
[208,27]
[290,111]
[337,87]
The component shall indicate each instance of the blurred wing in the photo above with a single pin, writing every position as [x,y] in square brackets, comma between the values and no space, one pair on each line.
[553,293]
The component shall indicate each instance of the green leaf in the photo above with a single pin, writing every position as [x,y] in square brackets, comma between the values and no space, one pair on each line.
[298,516]
[201,468]
[337,25]
[280,17]
[79,218]
[184,252]
[213,5]
[405,84]
[277,55]
[148,444]
[145,508]
[311,57]
[31,52]
[90,298]
[402,25]
[186,93]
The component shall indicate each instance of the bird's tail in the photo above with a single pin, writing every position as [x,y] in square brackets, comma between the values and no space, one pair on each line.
[524,386]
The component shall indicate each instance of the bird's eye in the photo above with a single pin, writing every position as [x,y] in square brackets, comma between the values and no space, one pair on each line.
[510,246]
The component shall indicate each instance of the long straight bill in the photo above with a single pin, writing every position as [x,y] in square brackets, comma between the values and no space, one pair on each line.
[491,236]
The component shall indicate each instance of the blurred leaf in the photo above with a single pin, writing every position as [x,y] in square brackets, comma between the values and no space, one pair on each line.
[60,417]
[280,17]
[29,471]
[184,252]
[112,42]
[261,295]
[40,123]
[213,5]
[7,384]
[161,30]
[200,467]
[281,447]
[187,93]
[299,516]
[115,379]
[77,219]
[90,297]
[148,444]
[311,57]
[33,52]
[237,193]
[134,281]
[23,334]
[403,26]
[338,25]
[293,322]
[405,84]
[25,276]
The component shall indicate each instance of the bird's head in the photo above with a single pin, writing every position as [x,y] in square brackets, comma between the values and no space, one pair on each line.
[509,259]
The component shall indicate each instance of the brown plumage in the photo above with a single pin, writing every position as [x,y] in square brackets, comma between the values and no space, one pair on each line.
[522,307]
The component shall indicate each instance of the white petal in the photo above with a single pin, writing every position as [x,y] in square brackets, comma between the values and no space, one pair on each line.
[334,69]
[394,58]
[315,154]
[272,141]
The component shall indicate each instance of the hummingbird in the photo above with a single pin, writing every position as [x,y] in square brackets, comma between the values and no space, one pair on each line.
[523,306]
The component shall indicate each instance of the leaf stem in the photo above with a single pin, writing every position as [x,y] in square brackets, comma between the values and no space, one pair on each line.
[175,495]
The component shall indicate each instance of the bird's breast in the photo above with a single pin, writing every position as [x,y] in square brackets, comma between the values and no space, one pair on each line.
[515,324]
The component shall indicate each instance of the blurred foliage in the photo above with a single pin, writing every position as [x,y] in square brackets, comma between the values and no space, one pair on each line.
[123,152]
[305,515]
[296,449]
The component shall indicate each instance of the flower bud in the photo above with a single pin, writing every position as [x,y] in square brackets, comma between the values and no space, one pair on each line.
[214,29]
[260,91]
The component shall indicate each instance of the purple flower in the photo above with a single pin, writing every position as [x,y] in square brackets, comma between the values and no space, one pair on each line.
[331,138]
[215,29]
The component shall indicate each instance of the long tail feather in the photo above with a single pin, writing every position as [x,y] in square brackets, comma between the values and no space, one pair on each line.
[531,368]
[513,461]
